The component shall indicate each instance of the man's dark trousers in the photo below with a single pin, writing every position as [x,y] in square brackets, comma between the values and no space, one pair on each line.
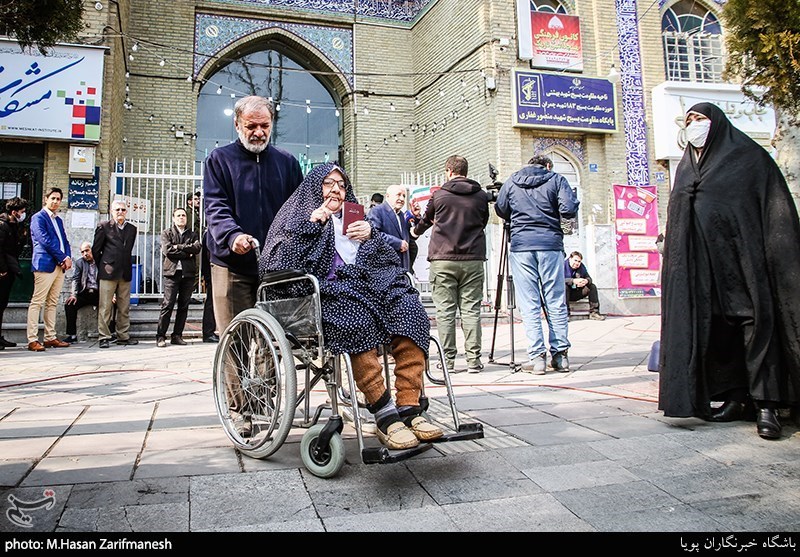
[175,287]
[83,299]
[590,291]
[209,323]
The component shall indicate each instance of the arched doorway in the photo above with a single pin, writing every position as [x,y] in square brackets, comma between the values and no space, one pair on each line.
[307,121]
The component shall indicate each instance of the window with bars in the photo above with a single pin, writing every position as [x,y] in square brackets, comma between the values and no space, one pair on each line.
[693,57]
[693,46]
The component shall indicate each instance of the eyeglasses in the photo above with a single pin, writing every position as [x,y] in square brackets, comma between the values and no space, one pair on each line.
[122,209]
[85,250]
[331,183]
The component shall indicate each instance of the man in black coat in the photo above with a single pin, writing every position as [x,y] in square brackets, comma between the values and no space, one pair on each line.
[12,239]
[179,248]
[193,212]
[112,249]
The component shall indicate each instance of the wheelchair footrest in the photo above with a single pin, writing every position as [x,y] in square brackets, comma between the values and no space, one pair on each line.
[465,433]
[382,455]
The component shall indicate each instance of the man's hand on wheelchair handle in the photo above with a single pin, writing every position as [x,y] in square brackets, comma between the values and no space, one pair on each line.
[242,244]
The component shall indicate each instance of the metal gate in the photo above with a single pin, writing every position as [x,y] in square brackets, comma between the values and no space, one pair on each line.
[152,189]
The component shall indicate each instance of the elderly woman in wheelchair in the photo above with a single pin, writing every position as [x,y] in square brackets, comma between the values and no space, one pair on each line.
[367,300]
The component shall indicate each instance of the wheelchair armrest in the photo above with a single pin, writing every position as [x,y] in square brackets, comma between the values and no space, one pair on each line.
[280,276]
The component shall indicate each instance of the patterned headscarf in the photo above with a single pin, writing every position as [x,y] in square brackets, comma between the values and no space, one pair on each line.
[295,213]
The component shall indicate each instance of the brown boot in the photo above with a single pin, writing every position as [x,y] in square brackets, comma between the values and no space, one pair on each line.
[368,373]
[409,367]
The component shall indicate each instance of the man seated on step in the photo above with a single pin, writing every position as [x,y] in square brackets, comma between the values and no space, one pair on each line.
[580,285]
[84,291]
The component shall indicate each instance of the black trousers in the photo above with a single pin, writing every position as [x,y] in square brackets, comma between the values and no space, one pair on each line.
[209,323]
[85,298]
[5,292]
[590,290]
[180,288]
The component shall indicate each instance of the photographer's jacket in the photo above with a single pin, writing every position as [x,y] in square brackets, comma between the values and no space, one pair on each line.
[535,200]
[458,213]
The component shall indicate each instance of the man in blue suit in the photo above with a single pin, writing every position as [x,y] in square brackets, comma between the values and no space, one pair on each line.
[51,260]
[389,219]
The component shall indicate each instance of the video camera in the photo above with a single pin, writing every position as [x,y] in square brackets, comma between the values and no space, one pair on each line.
[494,188]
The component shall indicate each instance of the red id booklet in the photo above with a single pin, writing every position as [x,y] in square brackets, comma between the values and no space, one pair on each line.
[351,212]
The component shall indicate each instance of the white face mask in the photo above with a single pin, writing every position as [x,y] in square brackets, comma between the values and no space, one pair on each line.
[697,132]
[21,217]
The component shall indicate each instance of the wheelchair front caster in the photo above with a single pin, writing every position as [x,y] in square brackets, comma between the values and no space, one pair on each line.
[323,462]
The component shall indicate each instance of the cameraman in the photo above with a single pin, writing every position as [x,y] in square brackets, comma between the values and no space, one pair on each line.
[535,199]
[458,213]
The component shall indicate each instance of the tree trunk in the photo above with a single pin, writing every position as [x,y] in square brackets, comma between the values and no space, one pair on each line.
[787,147]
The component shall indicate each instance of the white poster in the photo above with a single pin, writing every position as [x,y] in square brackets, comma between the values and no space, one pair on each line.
[58,96]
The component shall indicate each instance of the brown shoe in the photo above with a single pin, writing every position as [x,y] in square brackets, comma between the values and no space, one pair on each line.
[35,346]
[55,343]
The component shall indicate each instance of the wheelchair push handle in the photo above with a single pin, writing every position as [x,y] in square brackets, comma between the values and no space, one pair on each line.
[257,247]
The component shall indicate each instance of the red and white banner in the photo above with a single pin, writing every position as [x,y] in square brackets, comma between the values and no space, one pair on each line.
[548,40]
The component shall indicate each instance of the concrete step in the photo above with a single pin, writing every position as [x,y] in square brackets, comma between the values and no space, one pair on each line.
[144,322]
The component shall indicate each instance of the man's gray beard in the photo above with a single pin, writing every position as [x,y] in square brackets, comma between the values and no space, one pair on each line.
[256,149]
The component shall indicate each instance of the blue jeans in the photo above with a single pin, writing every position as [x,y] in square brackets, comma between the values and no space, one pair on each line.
[533,270]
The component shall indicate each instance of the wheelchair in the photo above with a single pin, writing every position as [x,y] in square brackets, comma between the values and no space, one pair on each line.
[269,360]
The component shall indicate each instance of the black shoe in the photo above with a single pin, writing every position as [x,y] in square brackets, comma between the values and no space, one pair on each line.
[177,339]
[211,338]
[6,343]
[127,342]
[767,424]
[104,343]
[70,338]
[731,411]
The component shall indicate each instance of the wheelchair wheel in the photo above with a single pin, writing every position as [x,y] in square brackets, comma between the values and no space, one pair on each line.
[323,464]
[255,378]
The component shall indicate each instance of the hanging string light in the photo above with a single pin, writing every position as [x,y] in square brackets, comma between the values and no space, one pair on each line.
[433,127]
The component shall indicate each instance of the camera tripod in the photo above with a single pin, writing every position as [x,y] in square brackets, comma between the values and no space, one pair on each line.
[504,275]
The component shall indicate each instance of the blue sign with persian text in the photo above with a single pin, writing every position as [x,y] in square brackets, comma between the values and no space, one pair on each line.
[84,192]
[559,101]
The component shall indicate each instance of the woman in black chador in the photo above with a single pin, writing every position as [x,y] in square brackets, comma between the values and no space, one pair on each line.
[730,316]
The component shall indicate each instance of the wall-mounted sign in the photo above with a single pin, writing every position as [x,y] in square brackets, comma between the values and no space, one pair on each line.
[559,101]
[57,96]
[83,193]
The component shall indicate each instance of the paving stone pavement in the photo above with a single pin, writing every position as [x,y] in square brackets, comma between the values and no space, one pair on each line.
[127,439]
